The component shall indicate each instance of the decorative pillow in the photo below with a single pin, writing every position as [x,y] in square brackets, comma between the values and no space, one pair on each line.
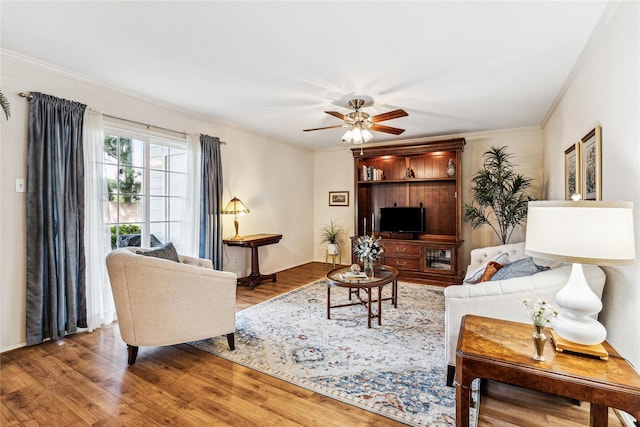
[522,267]
[166,251]
[502,258]
[492,268]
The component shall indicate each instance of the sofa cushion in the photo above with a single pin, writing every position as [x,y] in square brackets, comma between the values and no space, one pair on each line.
[492,268]
[476,276]
[166,251]
[522,267]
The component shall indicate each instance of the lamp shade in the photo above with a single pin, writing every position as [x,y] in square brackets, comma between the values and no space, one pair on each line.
[235,207]
[586,232]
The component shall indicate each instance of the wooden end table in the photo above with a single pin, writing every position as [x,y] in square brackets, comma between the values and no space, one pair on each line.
[503,351]
[254,242]
[383,275]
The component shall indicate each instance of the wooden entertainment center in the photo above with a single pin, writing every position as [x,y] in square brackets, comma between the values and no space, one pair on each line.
[413,175]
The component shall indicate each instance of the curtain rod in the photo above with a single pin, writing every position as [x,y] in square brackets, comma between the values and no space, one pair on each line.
[29,97]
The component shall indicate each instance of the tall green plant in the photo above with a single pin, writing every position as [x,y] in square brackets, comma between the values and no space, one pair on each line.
[6,106]
[499,195]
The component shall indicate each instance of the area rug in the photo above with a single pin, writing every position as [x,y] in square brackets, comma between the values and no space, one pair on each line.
[397,370]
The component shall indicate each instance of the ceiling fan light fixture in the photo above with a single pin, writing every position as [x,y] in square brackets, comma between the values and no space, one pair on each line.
[366,135]
[357,135]
[347,137]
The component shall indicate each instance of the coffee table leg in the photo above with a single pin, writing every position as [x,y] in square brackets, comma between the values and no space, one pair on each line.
[379,305]
[369,309]
[394,293]
[328,302]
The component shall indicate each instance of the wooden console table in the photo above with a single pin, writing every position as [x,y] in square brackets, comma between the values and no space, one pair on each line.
[502,351]
[254,242]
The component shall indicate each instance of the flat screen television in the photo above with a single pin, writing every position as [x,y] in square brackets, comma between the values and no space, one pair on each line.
[402,219]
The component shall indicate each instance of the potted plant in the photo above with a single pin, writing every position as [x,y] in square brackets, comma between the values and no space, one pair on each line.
[500,193]
[4,103]
[333,234]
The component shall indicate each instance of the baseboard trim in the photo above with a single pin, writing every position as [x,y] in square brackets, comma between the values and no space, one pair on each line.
[13,347]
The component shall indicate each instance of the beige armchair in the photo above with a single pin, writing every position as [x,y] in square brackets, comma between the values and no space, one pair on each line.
[162,302]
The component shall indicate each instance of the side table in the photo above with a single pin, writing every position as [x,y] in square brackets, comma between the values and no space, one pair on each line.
[254,241]
[503,351]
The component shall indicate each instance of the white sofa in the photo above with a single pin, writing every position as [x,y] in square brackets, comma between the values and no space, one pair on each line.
[502,298]
[161,302]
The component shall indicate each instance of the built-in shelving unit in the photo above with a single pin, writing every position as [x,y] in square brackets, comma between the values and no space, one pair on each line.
[414,175]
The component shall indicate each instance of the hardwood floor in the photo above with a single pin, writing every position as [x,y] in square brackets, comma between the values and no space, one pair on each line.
[85,380]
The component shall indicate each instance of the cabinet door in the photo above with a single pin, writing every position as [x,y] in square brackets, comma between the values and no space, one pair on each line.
[439,258]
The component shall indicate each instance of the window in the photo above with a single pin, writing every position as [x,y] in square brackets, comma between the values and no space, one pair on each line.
[146,179]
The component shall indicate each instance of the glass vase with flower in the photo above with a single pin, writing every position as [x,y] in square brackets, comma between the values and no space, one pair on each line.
[541,313]
[368,250]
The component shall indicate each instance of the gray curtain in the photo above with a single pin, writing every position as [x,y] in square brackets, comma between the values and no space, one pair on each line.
[56,291]
[210,201]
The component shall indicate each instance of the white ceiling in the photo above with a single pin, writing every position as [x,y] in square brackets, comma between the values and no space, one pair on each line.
[274,67]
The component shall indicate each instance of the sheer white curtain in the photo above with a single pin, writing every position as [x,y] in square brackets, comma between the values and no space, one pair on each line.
[97,236]
[191,215]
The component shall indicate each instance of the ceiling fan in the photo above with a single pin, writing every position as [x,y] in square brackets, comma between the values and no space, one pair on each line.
[360,124]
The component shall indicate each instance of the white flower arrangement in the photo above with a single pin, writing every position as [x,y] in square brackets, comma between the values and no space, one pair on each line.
[540,311]
[368,248]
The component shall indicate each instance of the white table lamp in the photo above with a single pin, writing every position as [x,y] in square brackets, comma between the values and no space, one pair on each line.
[580,232]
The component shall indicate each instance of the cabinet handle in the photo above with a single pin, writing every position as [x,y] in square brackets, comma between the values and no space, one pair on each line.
[401,249]
[404,263]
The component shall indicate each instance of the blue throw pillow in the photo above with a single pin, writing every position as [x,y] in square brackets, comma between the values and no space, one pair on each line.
[166,251]
[522,267]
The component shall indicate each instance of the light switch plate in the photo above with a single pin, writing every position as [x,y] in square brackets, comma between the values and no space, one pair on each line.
[20,185]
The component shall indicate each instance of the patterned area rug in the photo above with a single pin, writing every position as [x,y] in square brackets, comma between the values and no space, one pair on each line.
[396,370]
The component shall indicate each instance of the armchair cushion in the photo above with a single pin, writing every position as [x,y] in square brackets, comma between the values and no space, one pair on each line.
[166,251]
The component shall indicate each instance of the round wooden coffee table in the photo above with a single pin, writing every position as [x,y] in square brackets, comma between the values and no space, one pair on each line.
[383,275]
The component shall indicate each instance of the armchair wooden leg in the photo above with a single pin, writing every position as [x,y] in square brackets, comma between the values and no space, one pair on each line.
[133,353]
[451,373]
[231,341]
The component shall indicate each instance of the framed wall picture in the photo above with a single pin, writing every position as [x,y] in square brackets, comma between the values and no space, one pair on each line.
[591,165]
[572,175]
[338,198]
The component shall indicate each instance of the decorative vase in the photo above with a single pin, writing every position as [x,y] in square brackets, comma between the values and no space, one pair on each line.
[539,340]
[332,249]
[451,169]
[368,268]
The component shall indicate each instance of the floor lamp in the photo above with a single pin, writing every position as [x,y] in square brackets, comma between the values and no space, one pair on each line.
[580,232]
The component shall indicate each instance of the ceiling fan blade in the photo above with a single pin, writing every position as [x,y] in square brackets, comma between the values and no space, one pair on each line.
[326,127]
[388,116]
[336,114]
[386,129]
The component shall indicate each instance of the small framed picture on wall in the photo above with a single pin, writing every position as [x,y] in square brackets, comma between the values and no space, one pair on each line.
[591,165]
[338,198]
[572,171]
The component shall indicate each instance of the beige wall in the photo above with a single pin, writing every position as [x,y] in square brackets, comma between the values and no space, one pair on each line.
[272,178]
[604,90]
